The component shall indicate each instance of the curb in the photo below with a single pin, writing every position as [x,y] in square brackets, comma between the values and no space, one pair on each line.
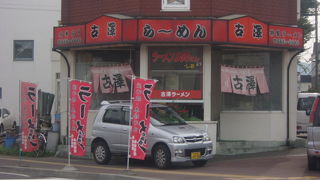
[42,172]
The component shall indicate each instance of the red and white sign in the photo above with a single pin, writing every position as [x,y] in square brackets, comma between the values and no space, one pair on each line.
[104,30]
[177,94]
[244,81]
[79,100]
[28,96]
[140,117]
[68,36]
[175,30]
[285,36]
[111,79]
[248,30]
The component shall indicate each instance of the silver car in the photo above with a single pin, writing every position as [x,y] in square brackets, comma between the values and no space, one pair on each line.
[170,138]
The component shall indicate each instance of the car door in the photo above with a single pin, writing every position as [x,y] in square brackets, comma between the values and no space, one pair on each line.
[112,127]
[125,129]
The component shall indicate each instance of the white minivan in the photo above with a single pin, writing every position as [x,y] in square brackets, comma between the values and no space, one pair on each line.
[305,101]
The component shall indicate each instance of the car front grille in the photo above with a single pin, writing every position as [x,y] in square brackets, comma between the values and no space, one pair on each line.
[193,139]
[188,152]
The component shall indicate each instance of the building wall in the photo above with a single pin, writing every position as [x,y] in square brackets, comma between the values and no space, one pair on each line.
[32,20]
[275,11]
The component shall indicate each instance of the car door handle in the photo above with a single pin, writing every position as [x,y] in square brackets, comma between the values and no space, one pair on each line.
[124,129]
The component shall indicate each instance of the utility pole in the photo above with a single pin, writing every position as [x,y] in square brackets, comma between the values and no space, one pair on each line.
[316,44]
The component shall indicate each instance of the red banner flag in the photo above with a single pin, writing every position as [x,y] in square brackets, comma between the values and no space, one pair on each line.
[80,97]
[140,117]
[28,104]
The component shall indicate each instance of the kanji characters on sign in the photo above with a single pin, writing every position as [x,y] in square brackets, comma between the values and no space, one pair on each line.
[80,98]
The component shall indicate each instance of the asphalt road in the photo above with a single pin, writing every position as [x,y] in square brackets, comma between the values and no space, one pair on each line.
[287,164]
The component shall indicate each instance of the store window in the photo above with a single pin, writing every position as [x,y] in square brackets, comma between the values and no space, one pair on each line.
[109,72]
[179,71]
[272,64]
[23,50]
[175,5]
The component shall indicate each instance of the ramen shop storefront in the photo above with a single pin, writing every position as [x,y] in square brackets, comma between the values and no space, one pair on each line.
[195,62]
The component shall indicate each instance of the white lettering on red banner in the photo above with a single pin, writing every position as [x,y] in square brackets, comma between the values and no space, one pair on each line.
[243,81]
[80,97]
[142,92]
[28,105]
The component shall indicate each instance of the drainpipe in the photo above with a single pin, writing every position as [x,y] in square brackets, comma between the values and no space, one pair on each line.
[288,77]
[65,58]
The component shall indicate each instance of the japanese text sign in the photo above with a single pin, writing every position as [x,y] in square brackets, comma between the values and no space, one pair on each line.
[175,30]
[285,36]
[68,36]
[111,79]
[248,30]
[140,117]
[103,30]
[28,96]
[244,81]
[80,98]
[177,94]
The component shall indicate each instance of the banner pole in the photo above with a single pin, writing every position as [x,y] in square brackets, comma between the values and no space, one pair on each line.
[20,124]
[130,119]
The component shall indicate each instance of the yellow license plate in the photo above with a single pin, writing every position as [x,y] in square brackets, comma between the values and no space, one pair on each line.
[195,155]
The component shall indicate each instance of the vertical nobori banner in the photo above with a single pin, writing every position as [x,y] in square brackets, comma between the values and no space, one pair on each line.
[28,104]
[140,117]
[80,98]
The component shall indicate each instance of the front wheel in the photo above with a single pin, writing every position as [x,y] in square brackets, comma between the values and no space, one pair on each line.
[162,156]
[199,163]
[101,153]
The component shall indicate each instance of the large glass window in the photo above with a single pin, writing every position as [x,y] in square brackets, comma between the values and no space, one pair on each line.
[86,61]
[179,71]
[272,63]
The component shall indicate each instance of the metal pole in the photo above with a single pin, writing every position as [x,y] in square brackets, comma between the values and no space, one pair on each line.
[129,137]
[316,44]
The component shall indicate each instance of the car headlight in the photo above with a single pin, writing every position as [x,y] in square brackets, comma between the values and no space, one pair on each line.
[178,139]
[206,138]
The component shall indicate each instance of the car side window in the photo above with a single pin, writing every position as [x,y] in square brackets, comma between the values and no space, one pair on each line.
[112,116]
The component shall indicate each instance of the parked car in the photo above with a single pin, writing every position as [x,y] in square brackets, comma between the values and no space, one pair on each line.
[170,138]
[7,120]
[305,101]
[313,136]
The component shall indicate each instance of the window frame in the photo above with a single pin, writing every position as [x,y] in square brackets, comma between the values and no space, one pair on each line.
[165,6]
[15,58]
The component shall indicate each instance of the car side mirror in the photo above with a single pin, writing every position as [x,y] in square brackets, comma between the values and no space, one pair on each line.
[308,112]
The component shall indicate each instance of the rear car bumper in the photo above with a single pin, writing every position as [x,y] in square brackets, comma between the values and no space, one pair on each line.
[191,151]
[313,152]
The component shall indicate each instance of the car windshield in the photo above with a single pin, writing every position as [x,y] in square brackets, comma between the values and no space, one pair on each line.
[161,116]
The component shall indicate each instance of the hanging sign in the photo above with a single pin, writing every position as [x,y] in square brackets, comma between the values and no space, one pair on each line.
[174,30]
[177,94]
[69,36]
[285,36]
[28,100]
[111,79]
[142,92]
[79,100]
[244,81]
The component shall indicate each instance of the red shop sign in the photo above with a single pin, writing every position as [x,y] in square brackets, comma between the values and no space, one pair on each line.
[285,36]
[29,138]
[248,31]
[80,97]
[69,36]
[103,30]
[175,30]
[177,94]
